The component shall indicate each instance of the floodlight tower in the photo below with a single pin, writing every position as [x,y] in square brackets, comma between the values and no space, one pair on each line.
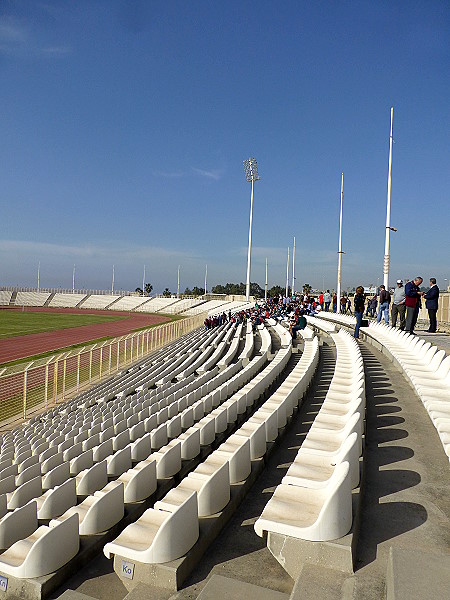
[251,174]
[340,252]
[388,211]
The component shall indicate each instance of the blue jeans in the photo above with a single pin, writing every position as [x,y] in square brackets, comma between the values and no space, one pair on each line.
[359,316]
[384,307]
[327,306]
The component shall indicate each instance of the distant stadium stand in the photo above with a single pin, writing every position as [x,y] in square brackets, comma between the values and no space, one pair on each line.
[5,298]
[129,302]
[156,305]
[98,302]
[66,300]
[32,298]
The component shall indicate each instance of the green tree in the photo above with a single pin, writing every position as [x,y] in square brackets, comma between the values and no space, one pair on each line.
[138,290]
[187,292]
[196,291]
[275,290]
[166,293]
[148,289]
[307,288]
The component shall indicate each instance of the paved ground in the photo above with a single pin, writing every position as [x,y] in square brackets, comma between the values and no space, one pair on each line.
[405,503]
[37,343]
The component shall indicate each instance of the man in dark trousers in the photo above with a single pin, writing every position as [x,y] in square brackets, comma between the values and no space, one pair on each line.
[413,304]
[431,304]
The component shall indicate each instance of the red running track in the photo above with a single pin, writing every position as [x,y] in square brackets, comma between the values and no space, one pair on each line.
[37,343]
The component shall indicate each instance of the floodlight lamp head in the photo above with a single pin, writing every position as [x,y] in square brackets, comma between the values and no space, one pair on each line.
[251,170]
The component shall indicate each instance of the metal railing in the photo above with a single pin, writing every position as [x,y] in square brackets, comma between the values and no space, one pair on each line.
[35,386]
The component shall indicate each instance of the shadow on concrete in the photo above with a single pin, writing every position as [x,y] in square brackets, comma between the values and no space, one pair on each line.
[93,579]
[393,454]
[396,480]
[389,520]
[384,518]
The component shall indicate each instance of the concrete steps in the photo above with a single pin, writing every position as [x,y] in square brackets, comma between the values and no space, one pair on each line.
[225,588]
[49,299]
[403,582]
[317,582]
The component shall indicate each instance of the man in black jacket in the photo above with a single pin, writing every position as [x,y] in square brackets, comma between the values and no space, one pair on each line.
[431,304]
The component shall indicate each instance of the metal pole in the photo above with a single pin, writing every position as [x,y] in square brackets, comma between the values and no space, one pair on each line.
[178,284]
[39,272]
[247,287]
[73,280]
[388,211]
[340,253]
[143,283]
[112,285]
[293,269]
[206,277]
[265,286]
[287,274]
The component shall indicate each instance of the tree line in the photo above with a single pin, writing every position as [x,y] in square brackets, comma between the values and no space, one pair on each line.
[230,289]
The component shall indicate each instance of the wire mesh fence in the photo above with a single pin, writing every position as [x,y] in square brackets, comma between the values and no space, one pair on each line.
[45,382]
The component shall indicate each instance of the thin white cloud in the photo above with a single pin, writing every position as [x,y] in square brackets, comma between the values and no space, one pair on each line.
[215,174]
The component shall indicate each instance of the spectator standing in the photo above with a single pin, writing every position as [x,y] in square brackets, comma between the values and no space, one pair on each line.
[334,303]
[359,308]
[349,306]
[327,300]
[431,304]
[412,302]
[385,300]
[343,305]
[372,306]
[321,300]
[398,305]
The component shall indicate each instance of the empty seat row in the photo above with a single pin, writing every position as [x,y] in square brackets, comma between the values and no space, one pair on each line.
[313,501]
[428,370]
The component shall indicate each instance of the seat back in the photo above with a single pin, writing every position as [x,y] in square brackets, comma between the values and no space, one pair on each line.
[52,550]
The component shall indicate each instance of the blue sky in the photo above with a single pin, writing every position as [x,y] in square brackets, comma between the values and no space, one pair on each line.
[124,125]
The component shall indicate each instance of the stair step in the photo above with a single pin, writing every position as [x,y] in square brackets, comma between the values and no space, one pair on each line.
[225,588]
[316,582]
[415,575]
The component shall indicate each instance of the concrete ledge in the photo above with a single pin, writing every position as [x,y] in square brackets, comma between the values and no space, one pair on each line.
[415,575]
[225,588]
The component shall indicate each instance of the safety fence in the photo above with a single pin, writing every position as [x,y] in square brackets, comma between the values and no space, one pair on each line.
[45,382]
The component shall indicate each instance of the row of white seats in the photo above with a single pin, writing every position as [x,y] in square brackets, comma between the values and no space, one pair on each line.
[47,459]
[94,513]
[93,442]
[171,528]
[314,499]
[322,324]
[428,370]
[339,318]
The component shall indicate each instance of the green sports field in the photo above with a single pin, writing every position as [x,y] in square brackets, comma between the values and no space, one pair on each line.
[16,323]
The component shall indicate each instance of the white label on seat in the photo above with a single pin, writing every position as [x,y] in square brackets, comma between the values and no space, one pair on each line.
[3,583]
[127,570]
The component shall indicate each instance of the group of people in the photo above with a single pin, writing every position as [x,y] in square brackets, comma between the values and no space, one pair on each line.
[406,302]
[325,300]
